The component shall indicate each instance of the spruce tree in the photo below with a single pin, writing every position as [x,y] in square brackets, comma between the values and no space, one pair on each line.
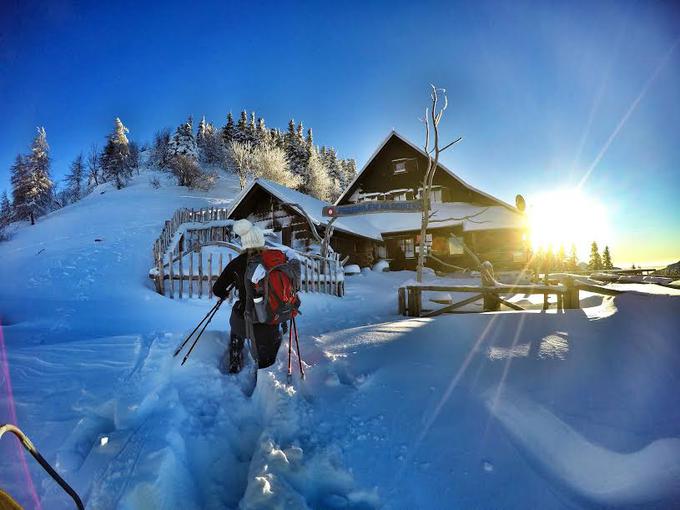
[32,188]
[228,131]
[114,158]
[251,130]
[595,261]
[201,138]
[5,210]
[183,142]
[296,150]
[20,184]
[241,131]
[607,259]
[74,179]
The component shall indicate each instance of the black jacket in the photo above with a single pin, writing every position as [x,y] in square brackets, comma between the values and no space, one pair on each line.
[233,276]
[267,337]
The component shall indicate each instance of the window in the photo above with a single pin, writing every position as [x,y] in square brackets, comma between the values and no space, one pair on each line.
[400,167]
[436,195]
[455,245]
[408,247]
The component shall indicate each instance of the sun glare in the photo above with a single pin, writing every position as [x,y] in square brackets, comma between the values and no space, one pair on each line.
[566,217]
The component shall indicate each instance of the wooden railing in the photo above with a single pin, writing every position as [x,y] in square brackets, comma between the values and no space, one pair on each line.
[566,292]
[181,271]
[182,217]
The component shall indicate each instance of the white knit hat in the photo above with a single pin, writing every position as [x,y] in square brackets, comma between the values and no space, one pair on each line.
[251,236]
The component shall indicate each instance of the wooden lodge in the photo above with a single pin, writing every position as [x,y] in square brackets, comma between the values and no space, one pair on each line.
[493,229]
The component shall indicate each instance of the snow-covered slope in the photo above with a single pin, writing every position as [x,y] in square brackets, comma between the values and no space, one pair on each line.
[478,411]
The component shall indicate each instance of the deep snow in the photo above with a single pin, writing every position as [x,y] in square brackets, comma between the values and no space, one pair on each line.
[498,410]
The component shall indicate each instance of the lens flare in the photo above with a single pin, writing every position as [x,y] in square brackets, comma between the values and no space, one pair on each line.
[565,217]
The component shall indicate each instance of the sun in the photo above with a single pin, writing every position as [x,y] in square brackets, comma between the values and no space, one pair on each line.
[565,217]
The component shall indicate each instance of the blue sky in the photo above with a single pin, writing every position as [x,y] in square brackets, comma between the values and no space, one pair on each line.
[536,89]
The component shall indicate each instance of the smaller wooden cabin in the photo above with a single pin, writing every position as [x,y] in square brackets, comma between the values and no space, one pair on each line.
[270,206]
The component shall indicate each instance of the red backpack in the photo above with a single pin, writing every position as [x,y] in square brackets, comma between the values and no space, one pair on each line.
[274,298]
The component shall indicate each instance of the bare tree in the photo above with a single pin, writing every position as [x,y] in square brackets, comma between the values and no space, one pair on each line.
[432,118]
[93,167]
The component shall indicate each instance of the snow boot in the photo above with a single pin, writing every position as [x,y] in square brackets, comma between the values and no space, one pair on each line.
[232,362]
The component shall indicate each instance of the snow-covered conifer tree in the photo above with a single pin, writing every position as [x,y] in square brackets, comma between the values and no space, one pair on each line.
[607,259]
[183,142]
[228,131]
[201,138]
[241,131]
[595,261]
[5,210]
[32,188]
[160,150]
[74,179]
[349,171]
[133,158]
[296,150]
[114,158]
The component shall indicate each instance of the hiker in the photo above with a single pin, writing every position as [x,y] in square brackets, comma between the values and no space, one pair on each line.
[267,336]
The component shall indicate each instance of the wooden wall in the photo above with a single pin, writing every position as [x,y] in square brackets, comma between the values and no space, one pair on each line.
[379,176]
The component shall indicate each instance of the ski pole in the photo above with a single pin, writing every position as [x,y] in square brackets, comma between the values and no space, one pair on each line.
[41,460]
[217,307]
[179,349]
[297,345]
[290,349]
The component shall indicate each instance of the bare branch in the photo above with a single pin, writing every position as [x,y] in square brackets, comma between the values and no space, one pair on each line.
[450,144]
[466,217]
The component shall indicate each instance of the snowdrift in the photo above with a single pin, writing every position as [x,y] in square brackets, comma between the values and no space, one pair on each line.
[505,410]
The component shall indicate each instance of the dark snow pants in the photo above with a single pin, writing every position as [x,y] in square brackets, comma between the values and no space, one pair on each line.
[267,341]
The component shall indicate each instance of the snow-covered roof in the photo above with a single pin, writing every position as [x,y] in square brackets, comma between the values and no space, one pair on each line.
[421,151]
[372,226]
[356,225]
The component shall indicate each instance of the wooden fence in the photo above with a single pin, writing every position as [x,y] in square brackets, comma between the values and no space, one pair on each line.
[182,270]
[182,217]
[567,293]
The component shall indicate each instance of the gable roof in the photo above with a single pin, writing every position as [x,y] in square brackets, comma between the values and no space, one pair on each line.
[440,165]
[357,225]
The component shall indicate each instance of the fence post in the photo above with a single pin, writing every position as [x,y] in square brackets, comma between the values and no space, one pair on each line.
[181,275]
[200,274]
[162,275]
[402,301]
[172,278]
[191,274]
[572,294]
[491,302]
[210,294]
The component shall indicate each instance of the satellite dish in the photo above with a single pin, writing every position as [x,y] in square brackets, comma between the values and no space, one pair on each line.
[520,203]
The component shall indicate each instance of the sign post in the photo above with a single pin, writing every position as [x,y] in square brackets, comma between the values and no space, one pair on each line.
[399,206]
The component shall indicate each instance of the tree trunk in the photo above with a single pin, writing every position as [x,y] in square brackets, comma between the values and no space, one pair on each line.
[32,218]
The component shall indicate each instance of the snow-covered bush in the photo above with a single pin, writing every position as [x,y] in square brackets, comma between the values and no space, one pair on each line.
[188,173]
[155,182]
